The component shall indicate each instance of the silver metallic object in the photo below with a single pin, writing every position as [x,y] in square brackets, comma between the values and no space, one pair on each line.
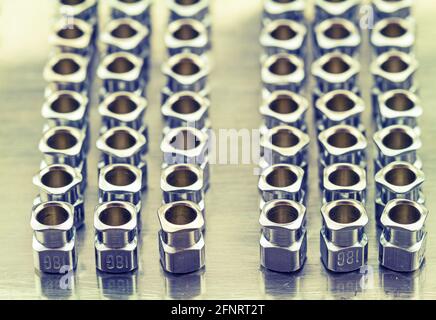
[181,243]
[284,144]
[283,243]
[61,182]
[347,9]
[284,107]
[193,9]
[186,109]
[403,240]
[344,181]
[339,107]
[283,71]
[394,70]
[397,143]
[54,248]
[127,35]
[393,33]
[282,181]
[137,9]
[124,145]
[344,243]
[67,71]
[116,240]
[398,180]
[336,34]
[284,36]
[187,35]
[83,9]
[388,8]
[284,9]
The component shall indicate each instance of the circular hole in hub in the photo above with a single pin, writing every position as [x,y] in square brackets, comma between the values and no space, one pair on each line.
[72,2]
[70,32]
[185,140]
[283,32]
[394,64]
[284,105]
[400,102]
[180,214]
[120,176]
[121,140]
[282,67]
[281,177]
[120,65]
[344,177]
[282,213]
[115,216]
[401,176]
[56,178]
[344,213]
[65,103]
[122,105]
[61,140]
[186,67]
[124,31]
[187,2]
[342,139]
[182,177]
[186,105]
[340,103]
[404,214]
[130,1]
[66,66]
[393,30]
[336,65]
[337,31]
[186,32]
[397,140]
[52,215]
[284,1]
[284,138]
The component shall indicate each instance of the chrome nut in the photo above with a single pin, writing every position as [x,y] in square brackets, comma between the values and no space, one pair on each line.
[193,9]
[186,109]
[398,180]
[336,34]
[386,8]
[393,33]
[76,36]
[284,144]
[181,243]
[124,145]
[284,9]
[403,240]
[335,71]
[123,109]
[282,181]
[85,10]
[339,107]
[342,144]
[53,237]
[344,181]
[347,9]
[283,71]
[397,143]
[138,10]
[127,35]
[187,35]
[283,243]
[394,70]
[398,107]
[284,36]
[344,243]
[116,240]
[284,107]
[67,71]
[120,182]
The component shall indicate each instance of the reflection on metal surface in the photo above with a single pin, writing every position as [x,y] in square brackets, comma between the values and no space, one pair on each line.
[277,284]
[56,286]
[402,285]
[348,285]
[186,286]
[118,286]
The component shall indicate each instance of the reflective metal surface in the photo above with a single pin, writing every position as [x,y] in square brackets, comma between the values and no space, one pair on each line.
[232,237]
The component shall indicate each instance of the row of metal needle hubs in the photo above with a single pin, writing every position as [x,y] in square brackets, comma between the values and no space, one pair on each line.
[341,136]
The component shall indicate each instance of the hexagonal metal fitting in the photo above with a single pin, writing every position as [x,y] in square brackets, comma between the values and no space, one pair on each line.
[403,240]
[344,243]
[284,107]
[283,71]
[347,9]
[336,70]
[124,145]
[284,144]
[282,181]
[386,8]
[342,144]
[398,107]
[193,9]
[181,243]
[67,71]
[394,70]
[284,36]
[53,237]
[283,243]
[290,9]
[393,34]
[116,241]
[397,143]
[336,34]
[344,181]
[75,36]
[398,180]
[84,9]
[138,10]
[120,182]
[186,109]
[187,35]
[339,107]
